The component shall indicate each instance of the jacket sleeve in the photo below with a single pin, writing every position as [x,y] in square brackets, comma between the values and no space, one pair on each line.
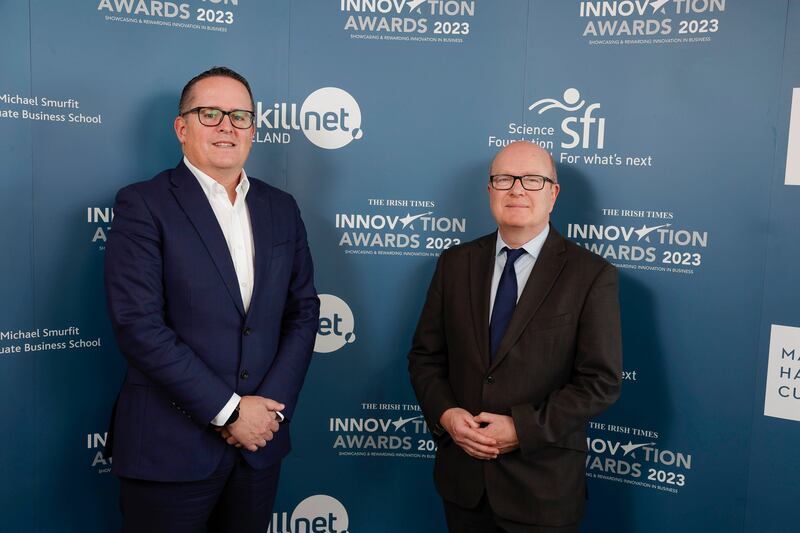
[135,298]
[428,358]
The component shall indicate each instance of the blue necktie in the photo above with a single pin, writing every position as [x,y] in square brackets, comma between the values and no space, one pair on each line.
[505,300]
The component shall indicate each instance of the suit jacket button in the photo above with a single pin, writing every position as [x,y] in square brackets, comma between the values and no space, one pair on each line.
[490,380]
[244,374]
[247,331]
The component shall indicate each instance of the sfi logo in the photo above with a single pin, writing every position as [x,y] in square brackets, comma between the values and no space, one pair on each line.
[572,103]
[336,324]
[331,118]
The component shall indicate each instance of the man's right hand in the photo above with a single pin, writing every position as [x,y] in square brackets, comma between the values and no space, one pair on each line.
[256,424]
[462,427]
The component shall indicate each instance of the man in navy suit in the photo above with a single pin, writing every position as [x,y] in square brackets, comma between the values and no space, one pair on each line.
[211,294]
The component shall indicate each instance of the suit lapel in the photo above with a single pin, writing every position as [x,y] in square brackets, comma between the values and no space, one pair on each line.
[262,224]
[545,272]
[481,267]
[194,203]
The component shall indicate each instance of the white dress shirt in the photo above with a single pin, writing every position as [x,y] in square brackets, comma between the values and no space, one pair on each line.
[234,220]
[523,266]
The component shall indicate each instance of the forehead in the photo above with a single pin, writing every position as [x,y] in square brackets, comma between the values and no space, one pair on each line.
[219,91]
[521,159]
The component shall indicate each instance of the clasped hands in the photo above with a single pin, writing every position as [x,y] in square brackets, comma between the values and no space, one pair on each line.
[484,436]
[256,425]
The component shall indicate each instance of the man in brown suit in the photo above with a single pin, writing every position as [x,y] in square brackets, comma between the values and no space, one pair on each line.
[517,347]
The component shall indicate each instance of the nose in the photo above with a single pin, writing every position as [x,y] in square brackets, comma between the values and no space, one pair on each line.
[225,127]
[517,187]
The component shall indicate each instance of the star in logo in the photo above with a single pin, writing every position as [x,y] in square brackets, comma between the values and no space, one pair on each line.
[630,447]
[644,231]
[400,422]
[408,219]
[657,4]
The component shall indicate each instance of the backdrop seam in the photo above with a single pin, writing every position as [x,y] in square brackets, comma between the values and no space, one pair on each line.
[762,311]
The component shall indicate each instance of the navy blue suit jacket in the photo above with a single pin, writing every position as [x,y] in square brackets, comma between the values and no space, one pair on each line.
[178,316]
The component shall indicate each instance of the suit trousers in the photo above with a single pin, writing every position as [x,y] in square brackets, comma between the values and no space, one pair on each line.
[236,498]
[482,519]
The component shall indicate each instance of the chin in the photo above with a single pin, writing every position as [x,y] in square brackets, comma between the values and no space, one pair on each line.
[518,224]
[225,164]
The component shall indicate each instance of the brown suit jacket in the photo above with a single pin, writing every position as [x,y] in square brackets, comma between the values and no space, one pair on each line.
[558,365]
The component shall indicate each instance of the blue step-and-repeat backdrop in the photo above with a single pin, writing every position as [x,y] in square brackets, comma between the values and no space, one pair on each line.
[676,128]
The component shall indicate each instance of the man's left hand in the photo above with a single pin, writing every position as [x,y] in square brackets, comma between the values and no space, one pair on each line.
[226,435]
[501,428]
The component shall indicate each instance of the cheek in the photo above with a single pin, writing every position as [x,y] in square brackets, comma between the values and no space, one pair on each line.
[494,204]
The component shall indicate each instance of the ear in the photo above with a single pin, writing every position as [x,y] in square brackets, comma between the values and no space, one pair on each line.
[554,190]
[180,129]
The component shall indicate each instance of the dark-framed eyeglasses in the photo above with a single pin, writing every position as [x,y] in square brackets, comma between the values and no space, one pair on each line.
[212,116]
[530,182]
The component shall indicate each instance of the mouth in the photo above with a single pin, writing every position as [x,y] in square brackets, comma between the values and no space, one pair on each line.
[223,144]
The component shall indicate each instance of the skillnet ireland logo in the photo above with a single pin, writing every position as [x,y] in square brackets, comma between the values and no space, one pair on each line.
[572,127]
[650,22]
[336,324]
[440,22]
[318,514]
[329,118]
[643,239]
[633,456]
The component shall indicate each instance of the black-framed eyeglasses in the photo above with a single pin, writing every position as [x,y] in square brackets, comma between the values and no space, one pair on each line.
[212,116]
[530,182]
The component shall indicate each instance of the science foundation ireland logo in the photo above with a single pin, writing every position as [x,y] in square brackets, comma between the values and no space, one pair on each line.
[575,130]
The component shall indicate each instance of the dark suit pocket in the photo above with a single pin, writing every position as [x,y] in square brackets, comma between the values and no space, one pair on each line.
[538,324]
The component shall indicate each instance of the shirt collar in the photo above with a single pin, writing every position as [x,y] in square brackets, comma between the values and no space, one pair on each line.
[533,246]
[210,185]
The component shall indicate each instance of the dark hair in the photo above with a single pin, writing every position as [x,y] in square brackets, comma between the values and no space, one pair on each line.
[224,72]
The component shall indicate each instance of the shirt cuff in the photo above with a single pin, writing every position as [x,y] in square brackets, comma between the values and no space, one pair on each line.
[280,416]
[226,412]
